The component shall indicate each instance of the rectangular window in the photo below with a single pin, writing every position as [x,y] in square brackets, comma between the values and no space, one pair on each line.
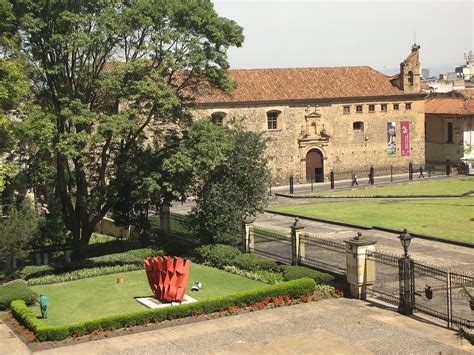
[396,107]
[383,107]
[359,108]
[408,106]
[371,108]
[347,110]
[272,120]
[449,131]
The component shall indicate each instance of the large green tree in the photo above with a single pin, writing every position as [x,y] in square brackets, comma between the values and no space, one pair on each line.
[113,74]
[236,188]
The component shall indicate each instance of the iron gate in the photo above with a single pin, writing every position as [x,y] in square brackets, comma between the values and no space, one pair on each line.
[435,292]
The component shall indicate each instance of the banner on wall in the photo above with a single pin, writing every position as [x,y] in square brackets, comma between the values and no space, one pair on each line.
[391,141]
[405,138]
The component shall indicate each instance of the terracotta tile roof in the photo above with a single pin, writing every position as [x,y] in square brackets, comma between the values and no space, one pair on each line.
[303,83]
[467,92]
[450,105]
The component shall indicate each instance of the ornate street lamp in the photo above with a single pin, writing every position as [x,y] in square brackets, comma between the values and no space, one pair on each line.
[405,239]
[406,276]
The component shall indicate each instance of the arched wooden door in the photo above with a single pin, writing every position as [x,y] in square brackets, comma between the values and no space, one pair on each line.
[314,166]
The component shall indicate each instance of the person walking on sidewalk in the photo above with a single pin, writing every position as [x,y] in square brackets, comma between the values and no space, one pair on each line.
[354,180]
[421,173]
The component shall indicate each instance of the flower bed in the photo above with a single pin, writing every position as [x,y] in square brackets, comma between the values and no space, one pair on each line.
[259,298]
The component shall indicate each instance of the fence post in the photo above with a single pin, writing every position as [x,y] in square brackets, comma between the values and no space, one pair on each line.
[297,242]
[67,256]
[291,184]
[248,234]
[448,167]
[165,218]
[391,173]
[410,171]
[360,267]
[331,176]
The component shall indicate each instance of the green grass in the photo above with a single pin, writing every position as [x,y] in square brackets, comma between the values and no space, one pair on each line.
[451,186]
[450,218]
[87,299]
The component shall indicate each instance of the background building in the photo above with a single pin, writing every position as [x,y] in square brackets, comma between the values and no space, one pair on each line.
[450,126]
[343,119]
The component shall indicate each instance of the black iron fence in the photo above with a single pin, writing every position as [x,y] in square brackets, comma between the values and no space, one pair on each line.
[387,278]
[273,243]
[325,254]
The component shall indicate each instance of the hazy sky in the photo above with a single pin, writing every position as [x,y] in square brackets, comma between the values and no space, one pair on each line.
[336,33]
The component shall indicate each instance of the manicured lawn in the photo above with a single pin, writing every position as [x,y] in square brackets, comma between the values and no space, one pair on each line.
[87,299]
[448,218]
[451,186]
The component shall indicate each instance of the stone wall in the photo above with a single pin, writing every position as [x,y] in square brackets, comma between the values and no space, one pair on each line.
[327,128]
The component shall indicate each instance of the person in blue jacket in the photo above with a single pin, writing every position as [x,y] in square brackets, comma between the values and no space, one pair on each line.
[43,305]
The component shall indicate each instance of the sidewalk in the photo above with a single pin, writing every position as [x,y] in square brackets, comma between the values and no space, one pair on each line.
[341,326]
[341,184]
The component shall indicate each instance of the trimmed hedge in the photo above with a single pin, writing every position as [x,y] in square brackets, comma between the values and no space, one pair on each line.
[296,272]
[253,262]
[16,290]
[43,332]
[101,265]
[217,255]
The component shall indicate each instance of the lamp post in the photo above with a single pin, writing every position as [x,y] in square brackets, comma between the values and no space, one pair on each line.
[406,276]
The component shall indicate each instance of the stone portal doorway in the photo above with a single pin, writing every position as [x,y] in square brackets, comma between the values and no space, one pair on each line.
[314,166]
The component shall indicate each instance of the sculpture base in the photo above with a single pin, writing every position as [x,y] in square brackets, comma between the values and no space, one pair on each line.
[153,303]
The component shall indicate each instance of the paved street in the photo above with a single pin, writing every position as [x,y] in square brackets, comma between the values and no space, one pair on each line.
[440,254]
[340,326]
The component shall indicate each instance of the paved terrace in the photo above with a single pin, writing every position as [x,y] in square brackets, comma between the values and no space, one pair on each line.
[341,326]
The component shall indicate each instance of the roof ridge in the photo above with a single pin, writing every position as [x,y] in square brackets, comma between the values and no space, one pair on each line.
[298,68]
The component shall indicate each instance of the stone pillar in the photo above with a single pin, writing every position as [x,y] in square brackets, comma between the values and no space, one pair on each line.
[165,218]
[248,242]
[297,242]
[360,268]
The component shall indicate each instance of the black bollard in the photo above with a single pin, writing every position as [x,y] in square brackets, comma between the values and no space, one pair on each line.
[331,176]
[391,173]
[371,175]
[291,184]
[312,178]
[410,171]
[448,167]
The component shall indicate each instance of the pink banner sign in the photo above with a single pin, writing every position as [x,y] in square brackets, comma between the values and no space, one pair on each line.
[405,138]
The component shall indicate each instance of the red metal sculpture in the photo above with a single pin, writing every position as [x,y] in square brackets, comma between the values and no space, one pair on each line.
[167,277]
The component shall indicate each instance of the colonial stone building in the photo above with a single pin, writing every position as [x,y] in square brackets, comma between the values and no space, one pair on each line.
[342,119]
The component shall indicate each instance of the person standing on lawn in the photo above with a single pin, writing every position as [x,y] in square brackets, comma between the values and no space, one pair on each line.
[43,305]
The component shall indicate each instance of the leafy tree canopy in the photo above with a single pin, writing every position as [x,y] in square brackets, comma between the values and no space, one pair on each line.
[112,76]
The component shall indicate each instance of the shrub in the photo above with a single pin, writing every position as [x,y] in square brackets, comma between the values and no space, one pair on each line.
[126,261]
[101,265]
[16,290]
[291,289]
[217,255]
[253,262]
[267,277]
[298,272]
[84,273]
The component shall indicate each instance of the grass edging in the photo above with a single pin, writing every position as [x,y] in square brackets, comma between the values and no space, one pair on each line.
[385,229]
[303,196]
[44,332]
